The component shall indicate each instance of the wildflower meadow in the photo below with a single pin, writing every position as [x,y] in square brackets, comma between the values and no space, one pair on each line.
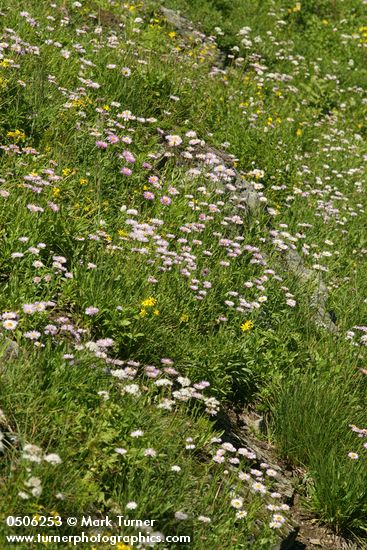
[183,271]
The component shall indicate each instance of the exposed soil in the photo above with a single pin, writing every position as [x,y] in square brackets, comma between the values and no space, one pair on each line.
[311,535]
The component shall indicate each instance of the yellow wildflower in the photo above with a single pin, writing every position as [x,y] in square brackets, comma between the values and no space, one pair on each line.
[16,135]
[78,102]
[184,318]
[247,325]
[149,302]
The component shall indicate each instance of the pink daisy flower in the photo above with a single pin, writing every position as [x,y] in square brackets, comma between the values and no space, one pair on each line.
[101,144]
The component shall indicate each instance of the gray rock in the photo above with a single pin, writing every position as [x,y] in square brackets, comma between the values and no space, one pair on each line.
[8,438]
[9,350]
[183,25]
[186,29]
[254,421]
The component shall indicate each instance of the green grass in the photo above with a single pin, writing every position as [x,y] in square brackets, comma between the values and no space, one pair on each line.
[337,490]
[178,278]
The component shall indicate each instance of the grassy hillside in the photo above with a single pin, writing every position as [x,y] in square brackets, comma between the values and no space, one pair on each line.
[157,178]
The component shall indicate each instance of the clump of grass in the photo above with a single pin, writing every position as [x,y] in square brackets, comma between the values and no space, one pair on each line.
[312,422]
